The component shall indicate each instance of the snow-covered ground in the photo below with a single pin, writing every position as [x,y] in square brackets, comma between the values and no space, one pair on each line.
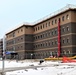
[49,70]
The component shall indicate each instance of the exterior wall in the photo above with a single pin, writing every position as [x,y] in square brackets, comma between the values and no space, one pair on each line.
[46,35]
[53,22]
[48,41]
[29,40]
[29,30]
[15,33]
[41,40]
[18,41]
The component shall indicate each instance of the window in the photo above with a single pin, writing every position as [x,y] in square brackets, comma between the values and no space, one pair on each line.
[46,43]
[69,52]
[55,21]
[52,22]
[34,29]
[67,28]
[55,41]
[67,16]
[36,46]
[63,41]
[49,24]
[63,18]
[63,29]
[21,46]
[18,47]
[7,36]
[41,45]
[52,42]
[46,24]
[55,31]
[43,25]
[14,41]
[52,32]
[38,37]
[46,34]
[41,36]
[18,31]
[49,43]
[13,34]
[18,39]
[52,53]
[38,28]
[68,40]
[21,30]
[7,43]
[64,52]
[21,38]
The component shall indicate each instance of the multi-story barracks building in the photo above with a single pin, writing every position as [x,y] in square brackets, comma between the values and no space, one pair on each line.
[53,35]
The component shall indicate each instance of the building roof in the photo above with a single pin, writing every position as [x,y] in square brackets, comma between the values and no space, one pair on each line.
[19,26]
[64,9]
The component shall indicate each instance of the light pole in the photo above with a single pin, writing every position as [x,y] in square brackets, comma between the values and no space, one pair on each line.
[3,57]
[31,55]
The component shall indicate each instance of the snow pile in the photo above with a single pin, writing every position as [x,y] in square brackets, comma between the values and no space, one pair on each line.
[48,70]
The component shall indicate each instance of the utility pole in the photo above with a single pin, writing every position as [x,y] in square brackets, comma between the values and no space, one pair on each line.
[3,57]
[31,55]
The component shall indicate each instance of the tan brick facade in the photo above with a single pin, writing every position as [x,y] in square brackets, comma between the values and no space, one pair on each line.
[41,39]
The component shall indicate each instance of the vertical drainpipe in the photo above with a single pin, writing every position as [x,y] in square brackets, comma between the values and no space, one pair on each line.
[59,46]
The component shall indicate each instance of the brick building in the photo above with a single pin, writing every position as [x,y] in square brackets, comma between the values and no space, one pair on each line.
[40,40]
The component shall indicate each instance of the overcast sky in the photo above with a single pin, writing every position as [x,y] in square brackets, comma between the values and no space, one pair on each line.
[15,12]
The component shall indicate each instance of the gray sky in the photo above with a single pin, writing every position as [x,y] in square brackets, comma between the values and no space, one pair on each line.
[15,12]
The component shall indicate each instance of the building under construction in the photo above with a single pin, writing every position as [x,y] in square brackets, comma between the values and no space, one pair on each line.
[54,35]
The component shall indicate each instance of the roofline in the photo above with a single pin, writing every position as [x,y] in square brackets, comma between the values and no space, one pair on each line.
[64,9]
[58,12]
[22,25]
[52,17]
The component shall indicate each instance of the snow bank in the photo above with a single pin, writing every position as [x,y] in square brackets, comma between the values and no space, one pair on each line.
[48,70]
